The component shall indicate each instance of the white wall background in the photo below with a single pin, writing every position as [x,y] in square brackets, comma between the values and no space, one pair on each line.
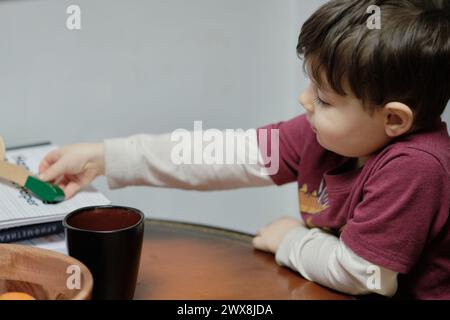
[153,66]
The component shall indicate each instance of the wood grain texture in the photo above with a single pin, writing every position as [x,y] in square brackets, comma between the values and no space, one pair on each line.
[14,173]
[183,261]
[41,273]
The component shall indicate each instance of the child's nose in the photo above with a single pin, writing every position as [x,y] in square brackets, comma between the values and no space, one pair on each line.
[306,99]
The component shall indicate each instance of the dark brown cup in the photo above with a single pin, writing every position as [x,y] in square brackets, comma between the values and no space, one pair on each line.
[108,240]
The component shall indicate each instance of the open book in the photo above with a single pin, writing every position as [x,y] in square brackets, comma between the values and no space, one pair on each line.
[18,208]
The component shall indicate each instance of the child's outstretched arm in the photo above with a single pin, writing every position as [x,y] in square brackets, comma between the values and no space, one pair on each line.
[154,160]
[149,160]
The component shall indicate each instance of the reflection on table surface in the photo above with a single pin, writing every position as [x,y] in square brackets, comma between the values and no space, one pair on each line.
[185,261]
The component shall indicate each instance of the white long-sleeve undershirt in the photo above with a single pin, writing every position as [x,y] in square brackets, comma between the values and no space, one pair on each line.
[315,254]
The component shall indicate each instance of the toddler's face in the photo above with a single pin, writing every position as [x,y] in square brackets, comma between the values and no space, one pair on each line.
[341,124]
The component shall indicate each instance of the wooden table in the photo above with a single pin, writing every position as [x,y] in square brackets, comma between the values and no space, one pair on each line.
[185,261]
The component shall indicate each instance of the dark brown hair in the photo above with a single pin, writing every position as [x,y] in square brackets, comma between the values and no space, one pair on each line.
[407,60]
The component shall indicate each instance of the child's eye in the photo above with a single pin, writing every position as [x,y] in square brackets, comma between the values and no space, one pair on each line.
[321,102]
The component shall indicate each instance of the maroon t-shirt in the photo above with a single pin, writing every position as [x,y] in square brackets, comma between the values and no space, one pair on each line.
[393,211]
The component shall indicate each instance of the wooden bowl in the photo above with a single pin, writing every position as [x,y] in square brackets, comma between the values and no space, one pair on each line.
[44,274]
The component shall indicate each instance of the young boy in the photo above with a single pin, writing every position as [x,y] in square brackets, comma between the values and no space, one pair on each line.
[371,156]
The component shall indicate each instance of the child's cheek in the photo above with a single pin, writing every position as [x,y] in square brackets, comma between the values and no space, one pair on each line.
[330,136]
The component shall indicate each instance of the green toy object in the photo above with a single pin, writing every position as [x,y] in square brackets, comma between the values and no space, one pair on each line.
[45,191]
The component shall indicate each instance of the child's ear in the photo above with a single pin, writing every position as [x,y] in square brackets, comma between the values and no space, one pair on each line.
[398,119]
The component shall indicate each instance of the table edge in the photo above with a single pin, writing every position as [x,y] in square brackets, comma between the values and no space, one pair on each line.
[203,228]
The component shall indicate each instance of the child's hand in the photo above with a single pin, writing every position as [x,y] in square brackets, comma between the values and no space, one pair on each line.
[270,237]
[74,166]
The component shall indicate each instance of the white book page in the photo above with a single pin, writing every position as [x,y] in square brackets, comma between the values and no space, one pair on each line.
[19,207]
[55,242]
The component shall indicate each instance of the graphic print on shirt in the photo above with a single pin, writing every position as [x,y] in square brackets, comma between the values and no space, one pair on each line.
[312,202]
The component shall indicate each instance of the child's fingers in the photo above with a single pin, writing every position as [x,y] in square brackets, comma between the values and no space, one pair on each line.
[49,159]
[70,189]
[259,243]
[260,231]
[62,182]
[54,171]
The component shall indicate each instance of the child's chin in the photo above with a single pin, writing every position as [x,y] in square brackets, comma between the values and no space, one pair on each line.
[322,144]
[325,146]
[319,141]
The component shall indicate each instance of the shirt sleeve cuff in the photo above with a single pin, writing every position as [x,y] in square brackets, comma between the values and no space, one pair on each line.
[290,239]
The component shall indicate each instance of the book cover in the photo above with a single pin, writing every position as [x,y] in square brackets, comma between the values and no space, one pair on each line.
[30,231]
